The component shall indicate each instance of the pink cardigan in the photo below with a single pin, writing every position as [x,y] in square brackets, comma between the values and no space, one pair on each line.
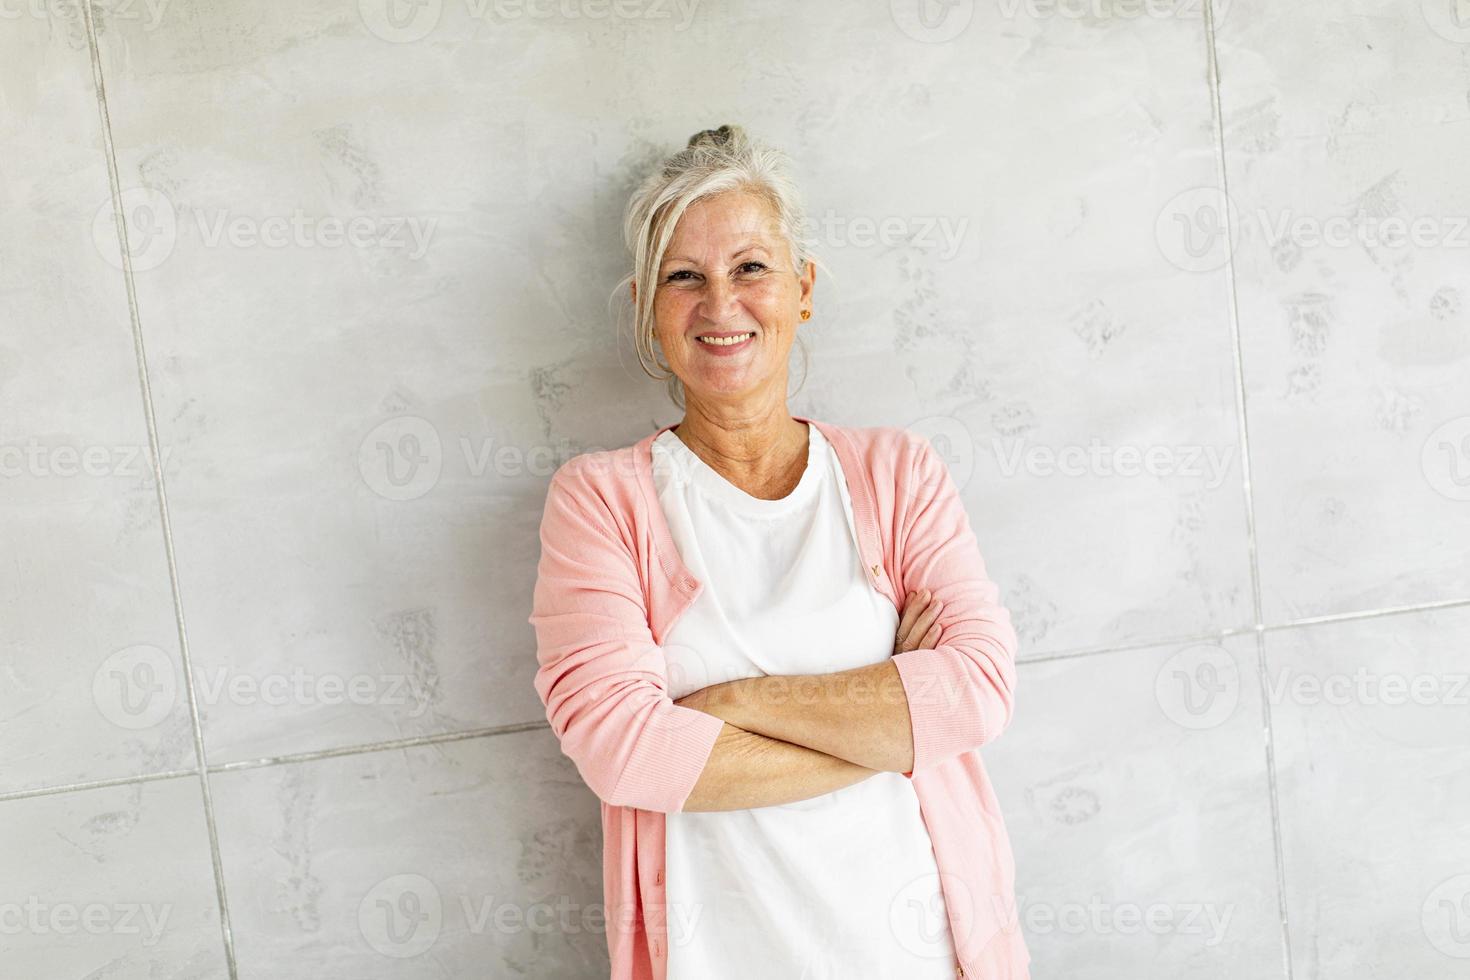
[609,585]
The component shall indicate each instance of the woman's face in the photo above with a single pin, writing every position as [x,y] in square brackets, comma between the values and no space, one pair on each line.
[727,271]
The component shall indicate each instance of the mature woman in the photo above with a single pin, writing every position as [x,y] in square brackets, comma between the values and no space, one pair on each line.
[768,642]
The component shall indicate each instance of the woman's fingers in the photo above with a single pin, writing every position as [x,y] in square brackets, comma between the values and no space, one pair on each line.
[905,620]
[918,622]
[928,619]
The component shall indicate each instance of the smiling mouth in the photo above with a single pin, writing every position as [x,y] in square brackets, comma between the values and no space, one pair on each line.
[724,339]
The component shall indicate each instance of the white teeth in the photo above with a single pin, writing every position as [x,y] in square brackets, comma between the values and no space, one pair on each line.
[725,341]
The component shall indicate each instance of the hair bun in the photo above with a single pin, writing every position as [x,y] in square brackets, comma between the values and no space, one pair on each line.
[713,137]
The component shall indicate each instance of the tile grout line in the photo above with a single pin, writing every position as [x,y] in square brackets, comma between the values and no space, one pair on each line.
[1212,58]
[140,356]
[393,745]
[1082,653]
[1291,624]
[1349,617]
[27,794]
[363,748]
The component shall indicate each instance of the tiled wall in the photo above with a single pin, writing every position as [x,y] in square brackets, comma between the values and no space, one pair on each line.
[273,715]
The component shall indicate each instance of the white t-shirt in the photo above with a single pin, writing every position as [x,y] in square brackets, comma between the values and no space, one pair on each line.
[843,885]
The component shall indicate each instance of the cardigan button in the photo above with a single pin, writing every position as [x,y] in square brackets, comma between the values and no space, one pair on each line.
[658,879]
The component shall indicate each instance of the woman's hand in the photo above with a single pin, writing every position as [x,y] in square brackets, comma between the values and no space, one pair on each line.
[918,628]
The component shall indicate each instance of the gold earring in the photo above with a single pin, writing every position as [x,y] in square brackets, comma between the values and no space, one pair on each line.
[806,314]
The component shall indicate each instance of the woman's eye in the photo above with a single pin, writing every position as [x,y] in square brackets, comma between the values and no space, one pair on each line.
[689,275]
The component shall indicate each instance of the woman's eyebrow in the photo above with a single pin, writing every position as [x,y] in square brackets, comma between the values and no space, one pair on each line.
[753,247]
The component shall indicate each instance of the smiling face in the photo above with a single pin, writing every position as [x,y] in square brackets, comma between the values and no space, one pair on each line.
[728,272]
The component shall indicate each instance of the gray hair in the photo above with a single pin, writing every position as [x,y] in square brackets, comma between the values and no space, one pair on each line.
[712,162]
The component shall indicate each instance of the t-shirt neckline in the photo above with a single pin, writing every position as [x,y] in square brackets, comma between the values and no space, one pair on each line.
[688,468]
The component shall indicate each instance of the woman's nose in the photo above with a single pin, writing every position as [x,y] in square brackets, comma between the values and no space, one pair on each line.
[719,300]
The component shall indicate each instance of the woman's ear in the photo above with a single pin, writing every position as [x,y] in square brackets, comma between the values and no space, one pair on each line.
[808,280]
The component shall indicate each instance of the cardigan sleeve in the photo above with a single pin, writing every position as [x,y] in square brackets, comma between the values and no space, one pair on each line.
[961,692]
[600,675]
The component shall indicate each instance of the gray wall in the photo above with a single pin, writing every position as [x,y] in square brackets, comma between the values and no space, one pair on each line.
[364,315]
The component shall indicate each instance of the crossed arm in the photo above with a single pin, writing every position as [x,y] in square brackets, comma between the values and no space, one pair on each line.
[793,737]
[767,740]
